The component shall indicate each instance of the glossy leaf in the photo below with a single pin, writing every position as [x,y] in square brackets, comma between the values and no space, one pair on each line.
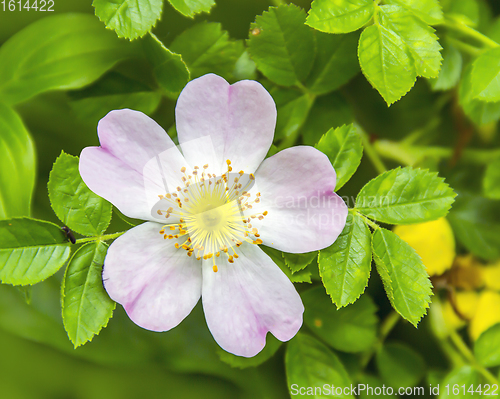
[191,7]
[399,365]
[428,11]
[206,48]
[73,202]
[309,363]
[417,36]
[383,55]
[86,307]
[169,69]
[297,262]
[350,329]
[405,196]
[39,58]
[345,266]
[487,347]
[17,165]
[300,276]
[404,276]
[491,181]
[340,16]
[485,78]
[282,47]
[129,18]
[449,75]
[335,64]
[30,250]
[344,149]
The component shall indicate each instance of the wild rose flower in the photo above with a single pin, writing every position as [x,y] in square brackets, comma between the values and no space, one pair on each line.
[208,206]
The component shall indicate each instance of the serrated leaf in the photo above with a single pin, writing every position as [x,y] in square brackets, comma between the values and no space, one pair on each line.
[345,266]
[485,77]
[86,307]
[309,363]
[282,47]
[449,75]
[39,58]
[399,365]
[465,375]
[291,117]
[114,91]
[351,329]
[491,180]
[343,148]
[487,347]
[191,7]
[428,11]
[418,37]
[17,165]
[73,202]
[405,196]
[340,16]
[129,18]
[297,262]
[383,55]
[301,276]
[169,69]
[207,48]
[30,250]
[480,112]
[272,345]
[405,279]
[335,64]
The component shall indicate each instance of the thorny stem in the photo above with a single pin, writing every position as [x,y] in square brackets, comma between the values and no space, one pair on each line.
[466,30]
[104,237]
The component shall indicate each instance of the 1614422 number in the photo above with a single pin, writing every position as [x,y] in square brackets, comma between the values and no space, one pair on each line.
[27,5]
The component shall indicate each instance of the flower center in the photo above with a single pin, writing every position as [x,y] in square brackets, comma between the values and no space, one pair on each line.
[211,211]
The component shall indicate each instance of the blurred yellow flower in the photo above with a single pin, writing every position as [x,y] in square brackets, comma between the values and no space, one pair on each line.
[433,241]
[491,276]
[487,313]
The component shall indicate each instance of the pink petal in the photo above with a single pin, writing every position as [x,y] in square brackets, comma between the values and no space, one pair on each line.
[157,284]
[135,159]
[304,214]
[246,299]
[239,119]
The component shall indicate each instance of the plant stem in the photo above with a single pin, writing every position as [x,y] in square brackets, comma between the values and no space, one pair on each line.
[466,30]
[466,48]
[370,151]
[104,237]
[368,221]
[469,356]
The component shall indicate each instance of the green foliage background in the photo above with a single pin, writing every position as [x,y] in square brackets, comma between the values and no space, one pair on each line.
[435,63]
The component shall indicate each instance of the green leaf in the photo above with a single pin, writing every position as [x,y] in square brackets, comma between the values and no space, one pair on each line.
[345,266]
[428,11]
[476,223]
[86,307]
[350,329]
[272,345]
[466,375]
[301,276]
[335,64]
[399,365]
[465,11]
[39,58]
[17,165]
[114,91]
[129,18]
[340,16]
[245,68]
[30,250]
[191,7]
[311,364]
[291,117]
[405,196]
[206,48]
[282,47]
[404,276]
[491,181]
[485,78]
[344,150]
[77,207]
[487,347]
[418,37]
[480,112]
[383,55]
[449,75]
[297,262]
[169,69]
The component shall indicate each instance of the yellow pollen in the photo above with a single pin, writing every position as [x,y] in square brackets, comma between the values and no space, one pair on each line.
[215,269]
